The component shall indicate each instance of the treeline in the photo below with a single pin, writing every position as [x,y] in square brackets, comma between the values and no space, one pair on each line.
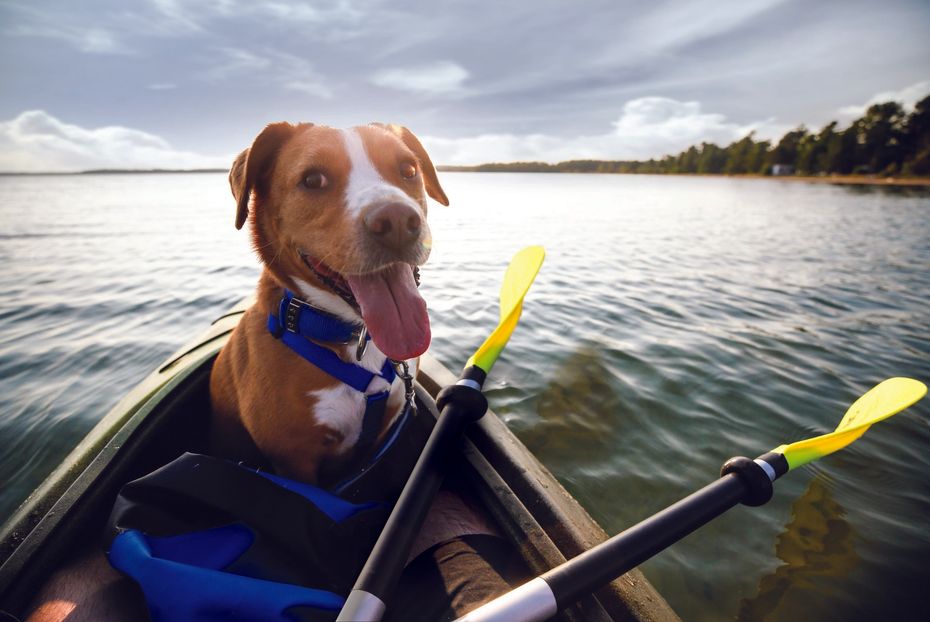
[886,141]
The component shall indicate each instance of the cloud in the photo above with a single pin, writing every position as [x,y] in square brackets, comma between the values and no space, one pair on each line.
[908,96]
[35,141]
[439,78]
[655,28]
[121,28]
[194,16]
[340,10]
[270,67]
[90,40]
[659,125]
[178,15]
[648,127]
[233,61]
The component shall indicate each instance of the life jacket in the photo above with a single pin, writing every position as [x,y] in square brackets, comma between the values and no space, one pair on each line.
[209,540]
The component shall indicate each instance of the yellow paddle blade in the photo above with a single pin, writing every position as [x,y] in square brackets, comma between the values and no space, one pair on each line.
[884,400]
[520,273]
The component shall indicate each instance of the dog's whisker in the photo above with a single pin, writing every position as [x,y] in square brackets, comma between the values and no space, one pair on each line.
[274,259]
[325,258]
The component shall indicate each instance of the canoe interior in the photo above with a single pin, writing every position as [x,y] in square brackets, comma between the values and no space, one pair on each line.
[167,415]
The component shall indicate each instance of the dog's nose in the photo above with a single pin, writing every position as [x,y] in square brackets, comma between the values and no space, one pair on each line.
[395,225]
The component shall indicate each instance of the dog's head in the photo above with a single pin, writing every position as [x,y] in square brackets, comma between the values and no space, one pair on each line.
[344,211]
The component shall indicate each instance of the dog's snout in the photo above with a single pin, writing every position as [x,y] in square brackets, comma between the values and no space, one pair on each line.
[395,225]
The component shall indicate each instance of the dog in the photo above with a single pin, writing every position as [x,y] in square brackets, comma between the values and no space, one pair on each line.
[339,218]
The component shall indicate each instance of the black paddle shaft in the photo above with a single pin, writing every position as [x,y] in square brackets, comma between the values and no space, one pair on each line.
[460,405]
[742,481]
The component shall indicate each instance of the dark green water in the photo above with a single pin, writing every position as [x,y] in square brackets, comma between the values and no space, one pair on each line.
[676,322]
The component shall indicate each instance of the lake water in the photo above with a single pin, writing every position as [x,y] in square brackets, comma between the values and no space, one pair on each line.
[677,322]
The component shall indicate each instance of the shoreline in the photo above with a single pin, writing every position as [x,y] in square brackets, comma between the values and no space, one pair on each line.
[849,180]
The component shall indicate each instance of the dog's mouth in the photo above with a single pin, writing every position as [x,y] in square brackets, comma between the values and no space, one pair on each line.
[330,278]
[389,303]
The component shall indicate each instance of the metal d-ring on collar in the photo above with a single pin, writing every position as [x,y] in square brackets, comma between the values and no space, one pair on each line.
[362,343]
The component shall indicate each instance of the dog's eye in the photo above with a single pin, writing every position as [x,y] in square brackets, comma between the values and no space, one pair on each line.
[408,170]
[315,180]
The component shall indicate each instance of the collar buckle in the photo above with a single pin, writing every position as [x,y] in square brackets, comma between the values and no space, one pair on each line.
[319,325]
[292,315]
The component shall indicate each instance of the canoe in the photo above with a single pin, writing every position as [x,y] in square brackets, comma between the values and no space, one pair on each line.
[165,415]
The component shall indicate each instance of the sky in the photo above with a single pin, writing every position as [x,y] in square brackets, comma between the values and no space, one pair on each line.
[187,83]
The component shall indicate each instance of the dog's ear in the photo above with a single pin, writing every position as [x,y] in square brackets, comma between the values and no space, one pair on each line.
[429,171]
[239,189]
[251,167]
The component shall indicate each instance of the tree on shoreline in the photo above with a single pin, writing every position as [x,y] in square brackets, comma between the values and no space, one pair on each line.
[886,141]
[917,140]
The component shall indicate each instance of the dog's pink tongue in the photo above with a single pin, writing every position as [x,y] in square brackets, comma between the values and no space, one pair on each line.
[393,311]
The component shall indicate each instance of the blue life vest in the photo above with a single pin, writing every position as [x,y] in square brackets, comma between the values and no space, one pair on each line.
[210,540]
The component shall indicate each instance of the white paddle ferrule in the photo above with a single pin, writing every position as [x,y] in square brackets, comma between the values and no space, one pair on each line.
[530,602]
[468,382]
[767,468]
[361,606]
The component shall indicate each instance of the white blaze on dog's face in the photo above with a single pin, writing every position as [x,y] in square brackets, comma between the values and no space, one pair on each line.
[346,209]
[367,185]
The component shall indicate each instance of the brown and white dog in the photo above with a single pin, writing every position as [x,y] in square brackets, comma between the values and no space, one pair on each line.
[339,218]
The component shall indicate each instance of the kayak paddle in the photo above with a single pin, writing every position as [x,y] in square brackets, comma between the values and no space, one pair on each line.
[742,481]
[459,405]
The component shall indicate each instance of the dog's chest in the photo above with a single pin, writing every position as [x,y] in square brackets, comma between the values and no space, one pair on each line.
[341,408]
